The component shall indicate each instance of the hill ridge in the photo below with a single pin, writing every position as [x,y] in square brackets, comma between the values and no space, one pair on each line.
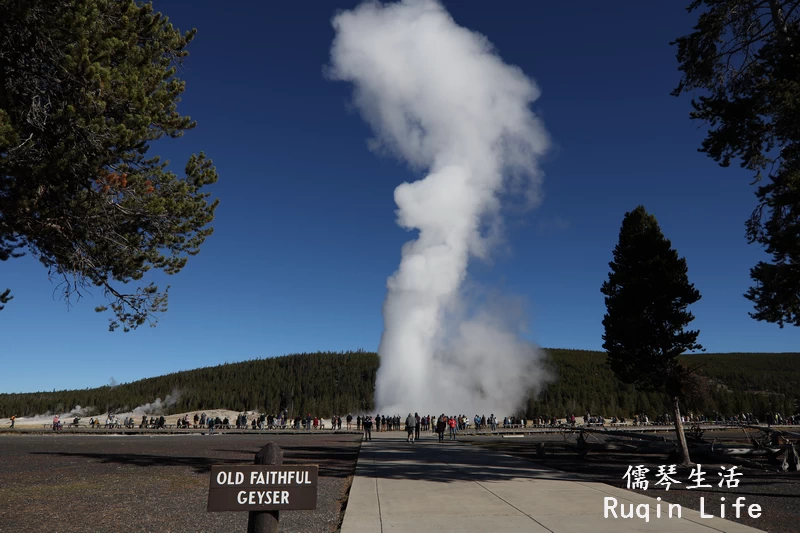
[327,383]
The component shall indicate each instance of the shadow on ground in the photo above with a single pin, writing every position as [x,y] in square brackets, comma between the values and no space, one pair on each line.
[449,461]
[333,461]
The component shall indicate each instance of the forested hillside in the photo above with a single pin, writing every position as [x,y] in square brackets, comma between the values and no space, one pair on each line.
[321,383]
[327,383]
[729,383]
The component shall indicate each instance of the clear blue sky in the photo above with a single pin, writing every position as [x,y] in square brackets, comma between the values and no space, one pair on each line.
[305,232]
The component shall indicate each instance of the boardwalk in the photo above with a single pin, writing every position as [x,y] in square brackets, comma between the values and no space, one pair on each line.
[455,486]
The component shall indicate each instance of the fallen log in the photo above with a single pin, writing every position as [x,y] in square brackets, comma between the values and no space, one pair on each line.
[735,449]
[659,448]
[781,432]
[631,434]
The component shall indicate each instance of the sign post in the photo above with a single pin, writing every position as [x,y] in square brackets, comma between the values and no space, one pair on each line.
[263,489]
[266,521]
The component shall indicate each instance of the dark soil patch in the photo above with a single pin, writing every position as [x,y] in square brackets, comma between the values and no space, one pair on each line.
[64,483]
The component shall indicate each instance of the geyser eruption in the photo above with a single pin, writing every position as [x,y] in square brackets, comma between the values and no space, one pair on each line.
[439,97]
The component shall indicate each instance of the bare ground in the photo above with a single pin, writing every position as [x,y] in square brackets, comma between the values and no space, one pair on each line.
[115,483]
[64,483]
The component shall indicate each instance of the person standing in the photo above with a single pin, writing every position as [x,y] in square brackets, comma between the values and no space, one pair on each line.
[411,425]
[441,423]
[13,419]
[452,424]
[416,428]
[367,427]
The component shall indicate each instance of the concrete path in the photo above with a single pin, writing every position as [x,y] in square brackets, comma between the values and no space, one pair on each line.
[455,486]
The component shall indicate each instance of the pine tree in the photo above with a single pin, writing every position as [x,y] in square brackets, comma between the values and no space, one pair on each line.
[744,58]
[647,296]
[85,87]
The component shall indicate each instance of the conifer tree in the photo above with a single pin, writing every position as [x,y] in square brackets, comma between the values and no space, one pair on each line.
[743,60]
[85,87]
[647,296]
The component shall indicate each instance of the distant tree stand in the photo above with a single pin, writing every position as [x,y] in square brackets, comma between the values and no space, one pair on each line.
[745,56]
[647,296]
[85,86]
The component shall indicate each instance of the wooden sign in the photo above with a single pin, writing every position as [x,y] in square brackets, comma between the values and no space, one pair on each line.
[263,488]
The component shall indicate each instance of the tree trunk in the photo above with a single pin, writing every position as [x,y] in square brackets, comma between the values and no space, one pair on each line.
[779,20]
[682,446]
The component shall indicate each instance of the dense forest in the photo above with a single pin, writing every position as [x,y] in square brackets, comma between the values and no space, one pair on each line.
[728,383]
[328,383]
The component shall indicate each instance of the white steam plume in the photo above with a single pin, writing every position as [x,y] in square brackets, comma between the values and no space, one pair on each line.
[439,97]
[158,406]
[81,411]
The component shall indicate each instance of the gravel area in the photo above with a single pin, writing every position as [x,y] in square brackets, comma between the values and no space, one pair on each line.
[158,484]
[778,493]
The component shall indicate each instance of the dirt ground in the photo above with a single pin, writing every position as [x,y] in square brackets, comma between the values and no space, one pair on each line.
[142,483]
[778,493]
[157,484]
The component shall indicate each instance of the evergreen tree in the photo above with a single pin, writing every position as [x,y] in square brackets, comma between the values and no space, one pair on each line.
[85,87]
[647,296]
[745,56]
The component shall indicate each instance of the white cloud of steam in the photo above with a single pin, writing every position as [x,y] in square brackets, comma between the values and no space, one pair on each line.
[80,411]
[439,97]
[47,417]
[158,407]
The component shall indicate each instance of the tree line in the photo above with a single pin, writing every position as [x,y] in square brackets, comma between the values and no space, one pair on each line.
[730,383]
[327,383]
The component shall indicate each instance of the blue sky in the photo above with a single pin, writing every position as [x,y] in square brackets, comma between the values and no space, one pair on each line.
[306,234]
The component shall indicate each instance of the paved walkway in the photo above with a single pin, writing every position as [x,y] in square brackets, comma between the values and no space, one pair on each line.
[455,486]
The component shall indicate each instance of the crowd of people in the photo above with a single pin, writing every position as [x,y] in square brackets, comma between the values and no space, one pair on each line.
[415,424]
[667,419]
[430,423]
[203,421]
[450,424]
[444,426]
[778,419]
[260,421]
